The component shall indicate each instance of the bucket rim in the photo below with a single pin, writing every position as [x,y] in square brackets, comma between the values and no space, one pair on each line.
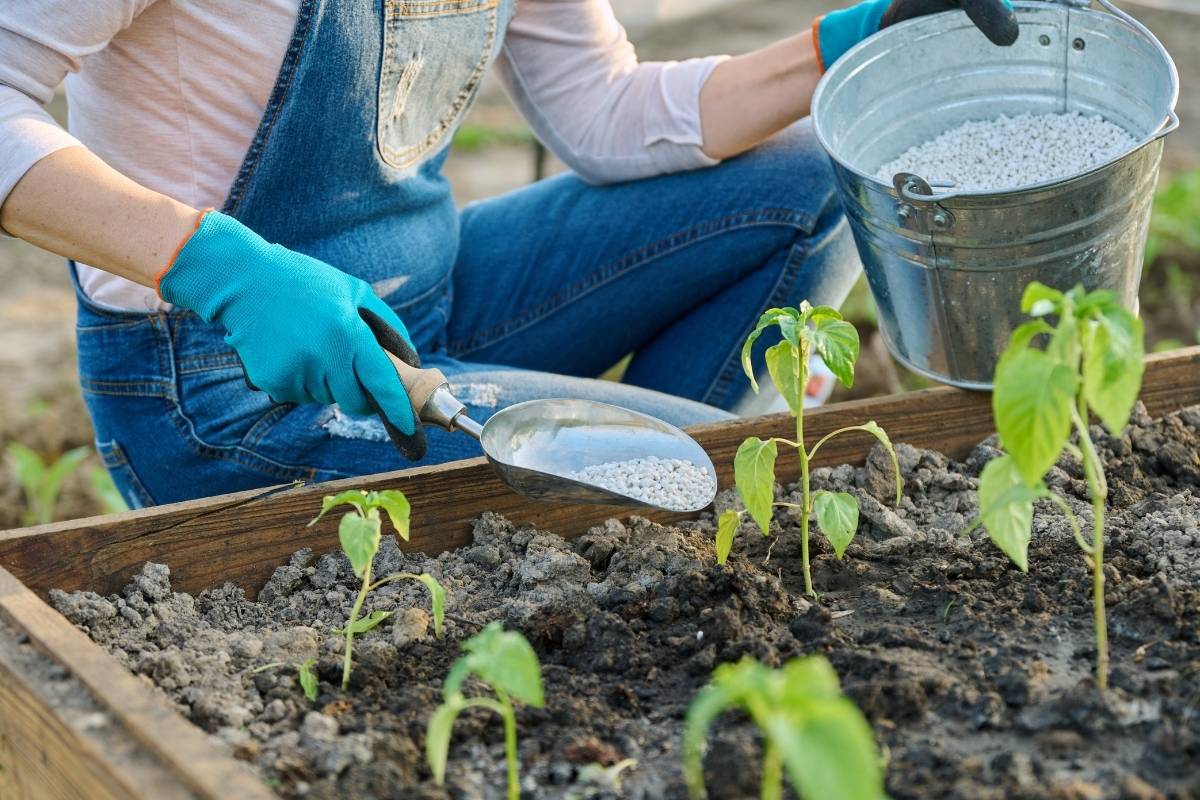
[1169,123]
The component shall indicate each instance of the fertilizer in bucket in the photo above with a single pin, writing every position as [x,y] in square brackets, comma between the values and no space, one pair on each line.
[1035,162]
[1010,152]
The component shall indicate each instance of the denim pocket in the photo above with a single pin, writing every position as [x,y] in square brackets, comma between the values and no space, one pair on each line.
[435,53]
[127,481]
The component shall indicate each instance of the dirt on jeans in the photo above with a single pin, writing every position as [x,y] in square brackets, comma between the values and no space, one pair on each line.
[976,678]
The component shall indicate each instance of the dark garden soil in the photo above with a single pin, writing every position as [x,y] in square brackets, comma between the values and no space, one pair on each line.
[976,677]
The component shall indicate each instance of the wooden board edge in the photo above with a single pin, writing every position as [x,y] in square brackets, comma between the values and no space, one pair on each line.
[47,752]
[178,745]
[250,533]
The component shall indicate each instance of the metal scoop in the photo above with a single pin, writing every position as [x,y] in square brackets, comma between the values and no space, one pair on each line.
[534,446]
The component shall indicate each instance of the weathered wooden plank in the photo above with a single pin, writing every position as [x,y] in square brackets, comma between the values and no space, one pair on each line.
[182,762]
[56,744]
[242,537]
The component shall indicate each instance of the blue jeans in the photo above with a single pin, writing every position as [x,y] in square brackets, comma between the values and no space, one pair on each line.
[552,284]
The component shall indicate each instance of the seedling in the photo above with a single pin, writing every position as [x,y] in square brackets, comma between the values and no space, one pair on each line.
[305,675]
[360,533]
[40,481]
[1091,362]
[504,661]
[805,330]
[810,730]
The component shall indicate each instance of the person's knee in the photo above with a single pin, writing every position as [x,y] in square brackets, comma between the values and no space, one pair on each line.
[790,171]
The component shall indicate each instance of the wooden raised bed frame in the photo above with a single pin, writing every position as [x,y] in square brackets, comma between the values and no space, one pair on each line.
[243,537]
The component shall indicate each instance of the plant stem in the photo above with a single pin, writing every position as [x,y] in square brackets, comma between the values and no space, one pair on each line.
[358,604]
[807,509]
[510,745]
[772,782]
[1093,470]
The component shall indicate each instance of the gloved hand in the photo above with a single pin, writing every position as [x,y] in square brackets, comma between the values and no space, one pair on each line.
[305,331]
[838,31]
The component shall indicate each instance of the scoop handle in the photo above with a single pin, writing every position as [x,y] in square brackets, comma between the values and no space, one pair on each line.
[419,383]
[429,392]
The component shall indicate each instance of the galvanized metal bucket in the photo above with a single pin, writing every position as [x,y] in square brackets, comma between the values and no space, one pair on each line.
[947,268]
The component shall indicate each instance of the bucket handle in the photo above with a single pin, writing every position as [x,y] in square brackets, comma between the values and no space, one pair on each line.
[1170,124]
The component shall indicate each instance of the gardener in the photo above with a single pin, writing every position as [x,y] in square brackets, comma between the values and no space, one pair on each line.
[319,129]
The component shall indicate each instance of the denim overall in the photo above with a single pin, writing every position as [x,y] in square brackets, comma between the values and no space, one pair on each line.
[532,294]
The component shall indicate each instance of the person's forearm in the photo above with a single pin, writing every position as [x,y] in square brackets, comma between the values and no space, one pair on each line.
[73,204]
[750,97]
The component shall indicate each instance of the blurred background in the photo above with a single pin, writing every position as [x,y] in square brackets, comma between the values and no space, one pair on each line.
[49,470]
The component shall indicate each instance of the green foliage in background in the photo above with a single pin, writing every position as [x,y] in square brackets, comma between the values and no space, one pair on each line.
[41,481]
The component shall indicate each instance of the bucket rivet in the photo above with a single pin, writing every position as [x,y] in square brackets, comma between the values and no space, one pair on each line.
[941,220]
[1044,40]
[1079,44]
[904,212]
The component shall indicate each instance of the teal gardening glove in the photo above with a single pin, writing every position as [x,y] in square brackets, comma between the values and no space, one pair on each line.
[305,331]
[838,31]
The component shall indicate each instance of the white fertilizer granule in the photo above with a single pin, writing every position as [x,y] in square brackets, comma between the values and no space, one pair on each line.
[1010,152]
[666,482]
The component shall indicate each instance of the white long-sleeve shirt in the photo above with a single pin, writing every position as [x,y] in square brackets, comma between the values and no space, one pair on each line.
[170,93]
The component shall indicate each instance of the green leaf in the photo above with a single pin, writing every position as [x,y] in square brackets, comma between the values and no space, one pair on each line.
[821,312]
[879,433]
[837,342]
[837,514]
[754,475]
[396,505]
[27,468]
[364,624]
[308,679]
[437,595]
[505,661]
[788,321]
[811,676]
[1025,333]
[353,497]
[437,737]
[1032,405]
[705,707]
[360,536]
[1040,300]
[789,374]
[67,463]
[1006,509]
[727,527]
[106,491]
[828,750]
[1113,366]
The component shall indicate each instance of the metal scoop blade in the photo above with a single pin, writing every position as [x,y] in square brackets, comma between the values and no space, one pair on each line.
[535,446]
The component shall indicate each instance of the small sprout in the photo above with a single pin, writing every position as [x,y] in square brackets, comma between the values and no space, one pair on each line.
[504,661]
[308,678]
[810,730]
[1091,363]
[805,331]
[40,481]
[305,676]
[360,533]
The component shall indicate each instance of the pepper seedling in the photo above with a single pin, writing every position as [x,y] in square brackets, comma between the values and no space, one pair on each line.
[810,730]
[306,675]
[360,533]
[505,661]
[805,330]
[1091,362]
